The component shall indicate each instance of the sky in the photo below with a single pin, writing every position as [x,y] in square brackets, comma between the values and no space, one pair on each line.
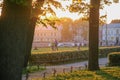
[112,11]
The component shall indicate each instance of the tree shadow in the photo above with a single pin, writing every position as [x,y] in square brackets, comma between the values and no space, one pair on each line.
[107,75]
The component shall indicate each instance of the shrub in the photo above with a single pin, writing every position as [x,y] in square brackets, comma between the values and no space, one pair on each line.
[66,56]
[114,59]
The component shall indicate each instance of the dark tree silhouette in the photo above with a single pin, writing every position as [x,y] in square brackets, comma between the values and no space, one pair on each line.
[14,26]
[93,35]
[17,25]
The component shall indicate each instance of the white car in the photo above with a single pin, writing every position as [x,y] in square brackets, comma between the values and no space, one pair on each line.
[66,44]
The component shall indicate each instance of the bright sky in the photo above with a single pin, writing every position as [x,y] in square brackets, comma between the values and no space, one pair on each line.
[113,12]
[66,13]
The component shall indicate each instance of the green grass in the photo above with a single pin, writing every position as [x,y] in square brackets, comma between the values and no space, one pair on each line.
[48,49]
[108,73]
[32,69]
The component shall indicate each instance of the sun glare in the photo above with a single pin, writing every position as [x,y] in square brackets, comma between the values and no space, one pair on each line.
[66,13]
[60,14]
[113,11]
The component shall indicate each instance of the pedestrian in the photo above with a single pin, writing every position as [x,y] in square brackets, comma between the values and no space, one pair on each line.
[52,45]
[56,44]
[79,46]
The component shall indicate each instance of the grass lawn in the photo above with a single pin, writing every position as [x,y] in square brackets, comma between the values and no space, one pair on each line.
[32,69]
[108,73]
[48,49]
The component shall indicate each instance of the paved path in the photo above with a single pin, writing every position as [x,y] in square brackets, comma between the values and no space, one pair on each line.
[102,62]
[50,70]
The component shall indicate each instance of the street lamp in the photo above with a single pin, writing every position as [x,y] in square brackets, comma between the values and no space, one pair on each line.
[106,31]
[106,36]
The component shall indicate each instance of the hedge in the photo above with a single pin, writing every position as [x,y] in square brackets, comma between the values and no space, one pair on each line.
[66,56]
[114,59]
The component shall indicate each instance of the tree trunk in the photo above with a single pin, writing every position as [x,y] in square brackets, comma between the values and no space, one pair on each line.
[30,32]
[13,33]
[93,35]
[30,35]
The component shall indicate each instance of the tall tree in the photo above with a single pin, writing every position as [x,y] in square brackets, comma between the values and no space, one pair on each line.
[14,24]
[67,29]
[16,32]
[93,35]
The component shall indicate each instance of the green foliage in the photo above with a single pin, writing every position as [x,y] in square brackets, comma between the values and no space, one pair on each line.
[114,59]
[109,73]
[66,56]
[19,2]
[32,69]
[55,57]
[115,1]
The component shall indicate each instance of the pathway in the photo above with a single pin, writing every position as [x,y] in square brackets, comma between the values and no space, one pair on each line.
[51,70]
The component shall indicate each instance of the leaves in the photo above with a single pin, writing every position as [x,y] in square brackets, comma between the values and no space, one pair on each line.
[43,8]
[48,21]
[20,2]
[115,1]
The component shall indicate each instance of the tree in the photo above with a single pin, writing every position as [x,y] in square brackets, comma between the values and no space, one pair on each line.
[91,13]
[14,24]
[17,25]
[66,29]
[93,35]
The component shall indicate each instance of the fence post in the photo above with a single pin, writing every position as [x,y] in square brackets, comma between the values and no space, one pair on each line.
[64,70]
[71,69]
[54,72]
[44,74]
[85,66]
[80,68]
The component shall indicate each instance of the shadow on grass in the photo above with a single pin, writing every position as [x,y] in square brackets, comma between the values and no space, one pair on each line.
[107,76]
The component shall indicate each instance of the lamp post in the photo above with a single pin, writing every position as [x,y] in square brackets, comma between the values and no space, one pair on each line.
[106,36]
[106,31]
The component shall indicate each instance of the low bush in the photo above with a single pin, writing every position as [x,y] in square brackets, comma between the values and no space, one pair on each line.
[114,59]
[66,56]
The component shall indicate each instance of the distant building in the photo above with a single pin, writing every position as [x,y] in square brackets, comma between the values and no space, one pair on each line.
[111,34]
[44,35]
[82,33]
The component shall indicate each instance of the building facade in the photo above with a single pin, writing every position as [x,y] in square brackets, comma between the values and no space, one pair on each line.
[111,34]
[44,35]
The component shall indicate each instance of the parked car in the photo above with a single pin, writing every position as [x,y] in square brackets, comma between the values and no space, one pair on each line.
[66,44]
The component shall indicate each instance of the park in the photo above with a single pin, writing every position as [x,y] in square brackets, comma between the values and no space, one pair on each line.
[43,39]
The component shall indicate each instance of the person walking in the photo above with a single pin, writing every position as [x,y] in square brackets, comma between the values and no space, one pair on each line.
[56,44]
[52,45]
[79,46]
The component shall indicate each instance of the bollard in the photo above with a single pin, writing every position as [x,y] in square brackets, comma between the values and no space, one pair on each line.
[85,66]
[64,70]
[71,69]
[44,74]
[80,68]
[54,72]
